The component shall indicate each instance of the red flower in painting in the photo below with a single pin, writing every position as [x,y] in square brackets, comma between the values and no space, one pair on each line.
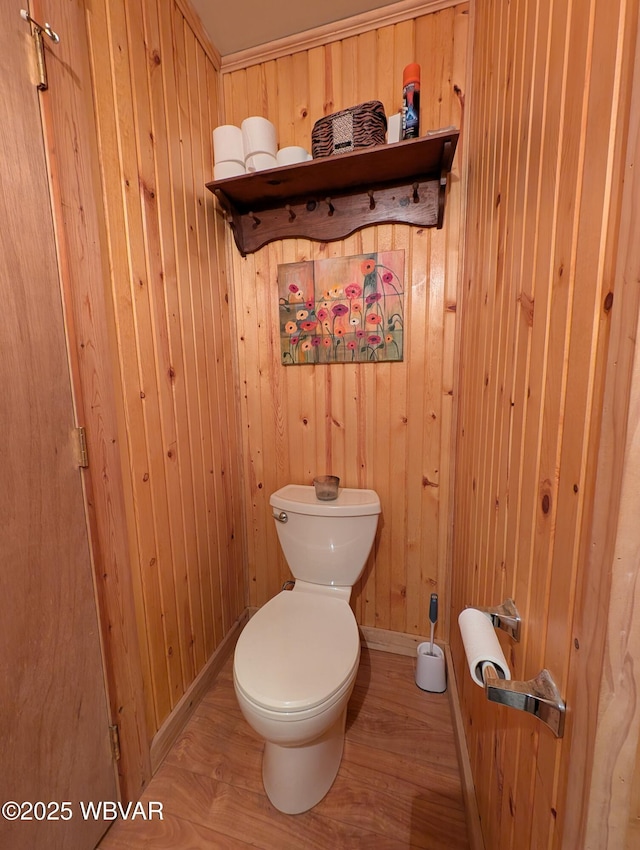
[339,309]
[293,288]
[351,345]
[371,299]
[322,314]
[315,340]
[387,277]
[374,339]
[374,319]
[309,325]
[353,290]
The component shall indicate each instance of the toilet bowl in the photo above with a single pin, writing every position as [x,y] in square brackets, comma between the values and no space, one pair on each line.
[296,661]
[295,666]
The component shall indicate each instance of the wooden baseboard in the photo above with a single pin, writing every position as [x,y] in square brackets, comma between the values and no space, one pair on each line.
[387,641]
[474,831]
[405,644]
[168,733]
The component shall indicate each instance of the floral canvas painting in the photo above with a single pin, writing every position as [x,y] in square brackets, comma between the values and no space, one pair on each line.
[342,309]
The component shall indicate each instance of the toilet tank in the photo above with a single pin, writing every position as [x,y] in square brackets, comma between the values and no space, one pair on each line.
[326,543]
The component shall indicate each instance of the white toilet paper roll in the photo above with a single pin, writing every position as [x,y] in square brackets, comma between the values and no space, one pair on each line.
[292,154]
[260,162]
[231,168]
[258,136]
[481,644]
[227,143]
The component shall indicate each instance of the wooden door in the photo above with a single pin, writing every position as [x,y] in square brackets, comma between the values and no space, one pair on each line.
[54,738]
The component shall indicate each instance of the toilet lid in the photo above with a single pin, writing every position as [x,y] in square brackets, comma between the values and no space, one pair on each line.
[297,651]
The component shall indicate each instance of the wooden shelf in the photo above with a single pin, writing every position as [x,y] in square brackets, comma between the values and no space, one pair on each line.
[327,199]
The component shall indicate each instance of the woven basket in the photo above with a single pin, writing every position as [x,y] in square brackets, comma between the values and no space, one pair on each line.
[359,126]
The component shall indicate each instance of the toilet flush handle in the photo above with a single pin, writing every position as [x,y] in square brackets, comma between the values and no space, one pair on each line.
[281,517]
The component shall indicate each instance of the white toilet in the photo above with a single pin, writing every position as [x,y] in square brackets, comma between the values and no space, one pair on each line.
[296,661]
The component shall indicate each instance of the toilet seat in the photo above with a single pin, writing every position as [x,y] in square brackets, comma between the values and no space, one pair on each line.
[297,652]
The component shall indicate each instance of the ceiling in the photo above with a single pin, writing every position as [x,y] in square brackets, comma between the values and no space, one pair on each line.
[238,25]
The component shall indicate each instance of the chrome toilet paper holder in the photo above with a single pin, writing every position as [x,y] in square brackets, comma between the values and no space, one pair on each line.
[505,617]
[538,696]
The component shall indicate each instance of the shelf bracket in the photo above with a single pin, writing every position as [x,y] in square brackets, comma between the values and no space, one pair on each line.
[445,168]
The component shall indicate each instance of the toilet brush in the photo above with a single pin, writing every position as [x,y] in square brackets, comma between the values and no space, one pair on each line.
[430,664]
[433,618]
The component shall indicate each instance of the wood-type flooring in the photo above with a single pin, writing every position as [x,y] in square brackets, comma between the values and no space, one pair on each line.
[398,786]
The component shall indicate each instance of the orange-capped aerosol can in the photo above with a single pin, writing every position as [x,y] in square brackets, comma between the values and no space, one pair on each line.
[411,101]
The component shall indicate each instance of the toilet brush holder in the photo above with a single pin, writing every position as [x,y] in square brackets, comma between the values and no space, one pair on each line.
[430,669]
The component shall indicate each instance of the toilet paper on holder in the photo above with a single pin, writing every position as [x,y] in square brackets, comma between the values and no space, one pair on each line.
[481,645]
[489,669]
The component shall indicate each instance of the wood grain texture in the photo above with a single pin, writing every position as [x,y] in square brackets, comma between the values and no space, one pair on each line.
[156,87]
[177,720]
[611,808]
[544,167]
[385,426]
[72,155]
[55,739]
[398,785]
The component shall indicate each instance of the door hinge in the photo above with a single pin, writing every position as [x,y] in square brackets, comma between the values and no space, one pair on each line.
[83,456]
[114,736]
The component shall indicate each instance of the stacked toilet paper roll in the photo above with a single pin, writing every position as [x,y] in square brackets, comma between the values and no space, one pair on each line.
[292,154]
[259,143]
[228,152]
[251,147]
[481,645]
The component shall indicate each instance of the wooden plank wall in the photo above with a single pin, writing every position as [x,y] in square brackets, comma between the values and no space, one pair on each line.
[387,426]
[610,811]
[544,173]
[156,85]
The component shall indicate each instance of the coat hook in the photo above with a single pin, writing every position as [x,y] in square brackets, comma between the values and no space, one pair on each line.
[331,207]
[45,28]
[416,196]
[256,220]
[372,200]
[292,215]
